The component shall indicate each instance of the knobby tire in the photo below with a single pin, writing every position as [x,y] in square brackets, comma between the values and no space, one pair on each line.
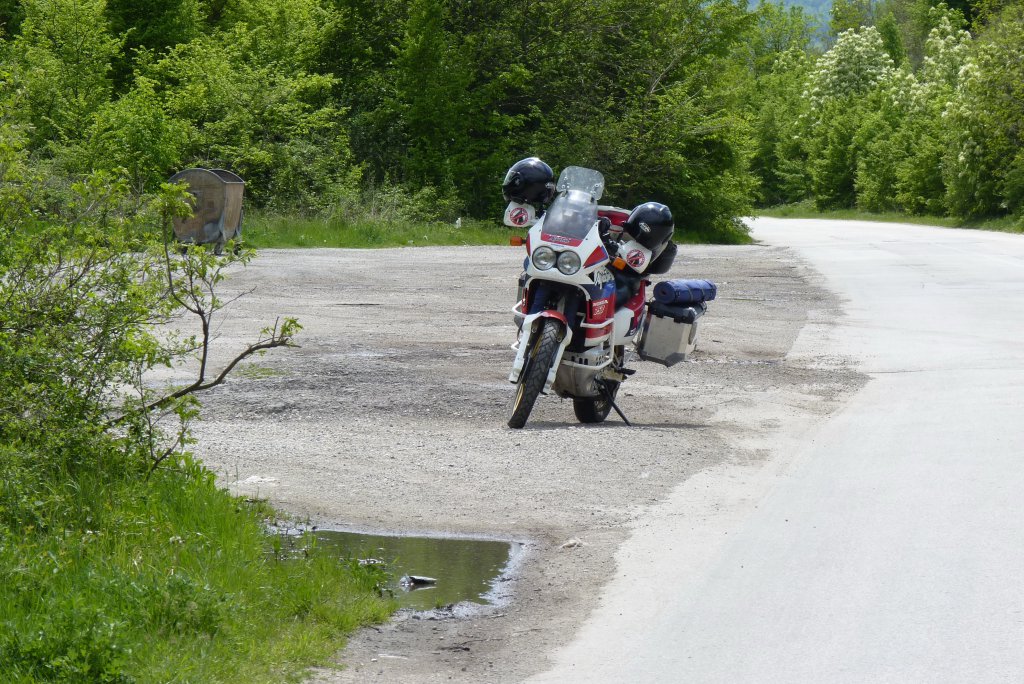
[538,363]
[596,409]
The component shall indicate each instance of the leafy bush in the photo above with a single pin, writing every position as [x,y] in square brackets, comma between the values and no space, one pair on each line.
[132,133]
[986,120]
[120,559]
[60,65]
[392,203]
[273,127]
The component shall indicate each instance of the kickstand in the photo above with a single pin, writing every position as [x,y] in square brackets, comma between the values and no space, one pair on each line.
[608,396]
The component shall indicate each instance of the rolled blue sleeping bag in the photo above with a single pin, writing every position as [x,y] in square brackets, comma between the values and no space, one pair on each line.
[684,291]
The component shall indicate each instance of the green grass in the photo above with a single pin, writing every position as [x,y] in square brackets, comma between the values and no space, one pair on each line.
[1006,224]
[734,234]
[165,579]
[296,231]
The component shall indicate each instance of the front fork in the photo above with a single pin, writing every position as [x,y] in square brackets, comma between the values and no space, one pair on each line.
[528,335]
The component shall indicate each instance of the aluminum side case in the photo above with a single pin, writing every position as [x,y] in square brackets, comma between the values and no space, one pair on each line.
[669,333]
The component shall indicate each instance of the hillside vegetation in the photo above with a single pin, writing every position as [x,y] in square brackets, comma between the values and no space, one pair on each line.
[914,109]
[378,123]
[335,108]
[326,106]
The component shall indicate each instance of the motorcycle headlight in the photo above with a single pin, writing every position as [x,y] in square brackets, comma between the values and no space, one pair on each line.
[544,258]
[568,262]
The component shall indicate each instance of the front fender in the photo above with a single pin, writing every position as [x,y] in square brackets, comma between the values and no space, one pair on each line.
[531,327]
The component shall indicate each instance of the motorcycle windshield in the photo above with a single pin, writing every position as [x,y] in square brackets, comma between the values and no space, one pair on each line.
[572,215]
[579,178]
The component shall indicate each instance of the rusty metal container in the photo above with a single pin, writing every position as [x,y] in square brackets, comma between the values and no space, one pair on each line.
[217,207]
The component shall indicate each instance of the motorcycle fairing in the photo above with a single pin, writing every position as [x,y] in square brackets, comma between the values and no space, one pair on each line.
[569,224]
[599,315]
[628,318]
[598,256]
[585,248]
[600,290]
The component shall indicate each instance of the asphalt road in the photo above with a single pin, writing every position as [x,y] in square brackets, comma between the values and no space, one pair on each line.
[884,545]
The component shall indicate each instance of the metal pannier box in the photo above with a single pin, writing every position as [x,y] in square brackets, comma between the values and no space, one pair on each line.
[668,334]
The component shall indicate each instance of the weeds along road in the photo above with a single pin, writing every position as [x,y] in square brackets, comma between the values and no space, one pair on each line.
[890,547]
[391,417]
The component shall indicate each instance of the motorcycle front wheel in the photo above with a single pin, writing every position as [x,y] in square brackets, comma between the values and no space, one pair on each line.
[538,363]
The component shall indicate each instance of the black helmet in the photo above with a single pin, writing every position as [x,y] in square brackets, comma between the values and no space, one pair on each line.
[529,181]
[651,225]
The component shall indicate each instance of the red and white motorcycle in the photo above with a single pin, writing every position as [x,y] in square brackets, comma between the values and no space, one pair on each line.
[572,336]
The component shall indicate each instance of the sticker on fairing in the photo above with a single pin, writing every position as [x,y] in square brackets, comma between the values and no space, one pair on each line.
[561,239]
[636,259]
[520,215]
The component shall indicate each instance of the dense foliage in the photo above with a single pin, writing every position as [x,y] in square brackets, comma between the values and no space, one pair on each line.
[117,553]
[914,107]
[325,105]
[321,105]
[120,558]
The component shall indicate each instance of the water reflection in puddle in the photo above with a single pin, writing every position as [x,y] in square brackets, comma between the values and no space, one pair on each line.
[465,569]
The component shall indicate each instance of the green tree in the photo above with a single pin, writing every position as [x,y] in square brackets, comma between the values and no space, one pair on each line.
[11,15]
[652,100]
[778,30]
[357,49]
[835,154]
[983,163]
[920,185]
[920,188]
[434,75]
[780,115]
[904,135]
[272,123]
[152,26]
[891,38]
[837,95]
[851,15]
[133,134]
[60,66]
[777,63]
[881,141]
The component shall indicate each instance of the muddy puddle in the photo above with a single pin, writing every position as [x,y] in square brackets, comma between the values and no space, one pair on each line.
[461,569]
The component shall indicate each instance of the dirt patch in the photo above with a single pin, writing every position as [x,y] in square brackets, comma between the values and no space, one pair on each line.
[391,416]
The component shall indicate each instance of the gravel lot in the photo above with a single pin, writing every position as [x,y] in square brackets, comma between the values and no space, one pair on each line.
[391,417]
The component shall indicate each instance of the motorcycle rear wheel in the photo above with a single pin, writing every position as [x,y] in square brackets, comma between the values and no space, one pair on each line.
[538,363]
[596,409]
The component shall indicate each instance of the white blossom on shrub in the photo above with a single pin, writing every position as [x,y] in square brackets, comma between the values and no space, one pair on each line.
[854,66]
[984,161]
[946,50]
